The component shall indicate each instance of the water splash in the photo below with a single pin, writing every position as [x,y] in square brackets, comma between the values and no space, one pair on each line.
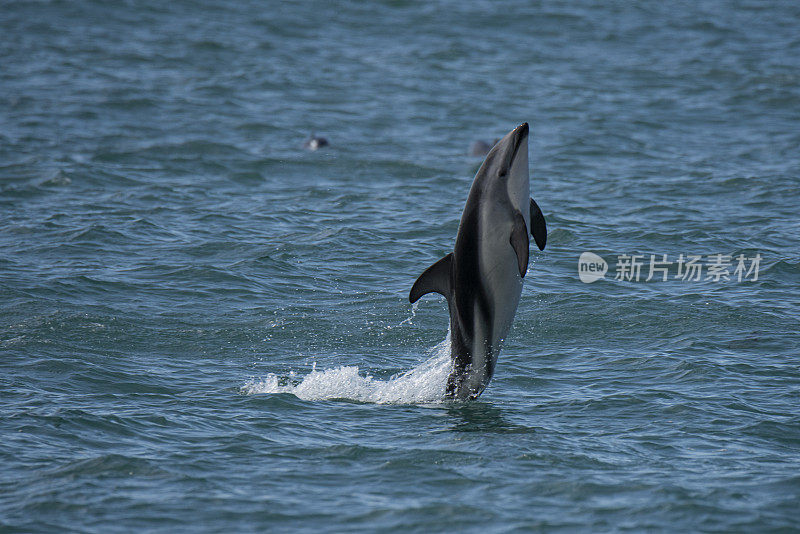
[413,314]
[423,384]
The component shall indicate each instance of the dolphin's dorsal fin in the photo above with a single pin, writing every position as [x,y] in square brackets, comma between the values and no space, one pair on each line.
[436,278]
[538,226]
[519,240]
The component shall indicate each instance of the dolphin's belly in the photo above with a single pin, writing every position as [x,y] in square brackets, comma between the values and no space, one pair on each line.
[504,287]
[501,279]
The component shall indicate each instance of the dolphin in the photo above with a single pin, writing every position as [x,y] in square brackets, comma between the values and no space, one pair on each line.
[482,278]
[314,142]
[480,147]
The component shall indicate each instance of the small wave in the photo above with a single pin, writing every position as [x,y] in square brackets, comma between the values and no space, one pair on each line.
[423,384]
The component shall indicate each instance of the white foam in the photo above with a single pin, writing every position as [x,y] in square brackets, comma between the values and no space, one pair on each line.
[423,384]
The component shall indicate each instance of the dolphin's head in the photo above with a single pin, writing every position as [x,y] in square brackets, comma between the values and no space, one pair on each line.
[508,162]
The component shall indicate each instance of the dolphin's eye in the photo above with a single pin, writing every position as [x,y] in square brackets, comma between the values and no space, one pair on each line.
[502,173]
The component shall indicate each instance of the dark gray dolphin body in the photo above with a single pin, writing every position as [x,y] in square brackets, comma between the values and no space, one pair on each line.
[482,278]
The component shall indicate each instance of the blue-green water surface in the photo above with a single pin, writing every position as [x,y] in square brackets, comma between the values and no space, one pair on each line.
[204,327]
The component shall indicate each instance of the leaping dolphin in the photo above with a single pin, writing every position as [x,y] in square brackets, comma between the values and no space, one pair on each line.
[482,278]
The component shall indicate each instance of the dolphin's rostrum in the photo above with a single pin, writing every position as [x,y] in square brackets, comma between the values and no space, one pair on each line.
[482,278]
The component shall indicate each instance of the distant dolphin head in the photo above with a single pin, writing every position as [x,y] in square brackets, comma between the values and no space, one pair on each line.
[479,148]
[314,142]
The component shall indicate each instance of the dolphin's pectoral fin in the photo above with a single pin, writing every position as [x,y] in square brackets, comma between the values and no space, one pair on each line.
[538,226]
[519,240]
[436,278]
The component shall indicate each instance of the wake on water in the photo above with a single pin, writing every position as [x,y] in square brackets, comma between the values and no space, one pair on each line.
[423,384]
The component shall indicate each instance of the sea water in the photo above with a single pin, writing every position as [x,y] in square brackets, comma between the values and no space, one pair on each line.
[205,327]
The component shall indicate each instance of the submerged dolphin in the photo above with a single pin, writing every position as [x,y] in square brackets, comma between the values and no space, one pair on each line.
[314,142]
[482,278]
